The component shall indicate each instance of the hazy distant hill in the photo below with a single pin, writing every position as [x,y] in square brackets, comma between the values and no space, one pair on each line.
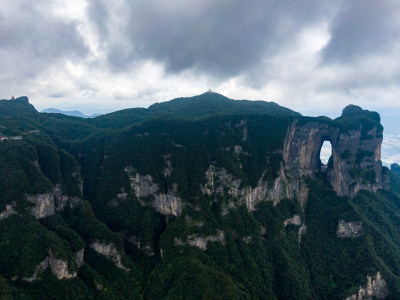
[73,113]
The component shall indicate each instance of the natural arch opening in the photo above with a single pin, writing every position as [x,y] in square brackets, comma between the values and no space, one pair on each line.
[325,154]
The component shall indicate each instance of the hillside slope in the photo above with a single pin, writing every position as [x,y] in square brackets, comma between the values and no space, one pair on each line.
[196,198]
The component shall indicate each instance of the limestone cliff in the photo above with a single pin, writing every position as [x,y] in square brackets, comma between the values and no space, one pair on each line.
[58,267]
[109,251]
[220,183]
[295,220]
[43,204]
[8,211]
[201,242]
[143,186]
[376,288]
[349,229]
[355,165]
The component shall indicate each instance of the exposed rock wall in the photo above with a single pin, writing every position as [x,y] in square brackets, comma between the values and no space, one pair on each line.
[355,165]
[295,220]
[143,186]
[356,162]
[168,204]
[79,257]
[8,211]
[302,231]
[376,288]
[39,268]
[109,251]
[201,242]
[349,229]
[220,183]
[356,153]
[43,205]
[58,267]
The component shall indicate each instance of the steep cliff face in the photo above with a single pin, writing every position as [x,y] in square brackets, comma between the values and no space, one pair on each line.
[8,211]
[349,229]
[376,288]
[355,165]
[295,220]
[43,205]
[111,252]
[201,242]
[356,162]
[143,186]
[58,267]
[220,183]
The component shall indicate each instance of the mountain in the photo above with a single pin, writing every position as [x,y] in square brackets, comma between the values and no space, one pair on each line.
[73,113]
[196,198]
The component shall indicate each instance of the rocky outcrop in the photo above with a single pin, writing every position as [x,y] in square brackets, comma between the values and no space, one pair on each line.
[201,242]
[220,183]
[355,165]
[168,165]
[356,149]
[58,267]
[168,204]
[302,231]
[295,220]
[376,288]
[61,200]
[79,257]
[39,268]
[349,229]
[143,186]
[109,251]
[43,205]
[218,179]
[141,245]
[8,211]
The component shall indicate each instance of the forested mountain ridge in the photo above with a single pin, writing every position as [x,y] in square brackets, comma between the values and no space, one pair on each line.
[201,197]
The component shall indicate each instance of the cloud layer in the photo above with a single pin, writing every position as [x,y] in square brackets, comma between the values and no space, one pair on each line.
[312,56]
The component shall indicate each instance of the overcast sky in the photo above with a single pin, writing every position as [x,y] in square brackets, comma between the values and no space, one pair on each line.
[98,56]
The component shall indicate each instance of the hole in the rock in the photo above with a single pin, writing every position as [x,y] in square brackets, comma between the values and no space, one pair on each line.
[326,152]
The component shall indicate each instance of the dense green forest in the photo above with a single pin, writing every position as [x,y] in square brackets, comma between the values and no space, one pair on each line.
[153,204]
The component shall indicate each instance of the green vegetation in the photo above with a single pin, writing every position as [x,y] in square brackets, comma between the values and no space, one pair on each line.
[85,163]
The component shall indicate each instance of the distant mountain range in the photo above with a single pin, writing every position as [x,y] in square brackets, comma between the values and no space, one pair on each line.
[73,113]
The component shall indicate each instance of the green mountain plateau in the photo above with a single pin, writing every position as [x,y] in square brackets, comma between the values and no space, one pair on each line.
[196,198]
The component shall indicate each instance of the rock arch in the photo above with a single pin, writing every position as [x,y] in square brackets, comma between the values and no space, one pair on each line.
[356,139]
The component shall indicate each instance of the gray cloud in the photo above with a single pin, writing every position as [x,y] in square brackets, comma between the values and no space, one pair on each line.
[32,39]
[307,54]
[363,28]
[223,38]
[99,14]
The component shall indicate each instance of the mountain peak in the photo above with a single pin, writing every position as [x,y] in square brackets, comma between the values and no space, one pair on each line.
[351,110]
